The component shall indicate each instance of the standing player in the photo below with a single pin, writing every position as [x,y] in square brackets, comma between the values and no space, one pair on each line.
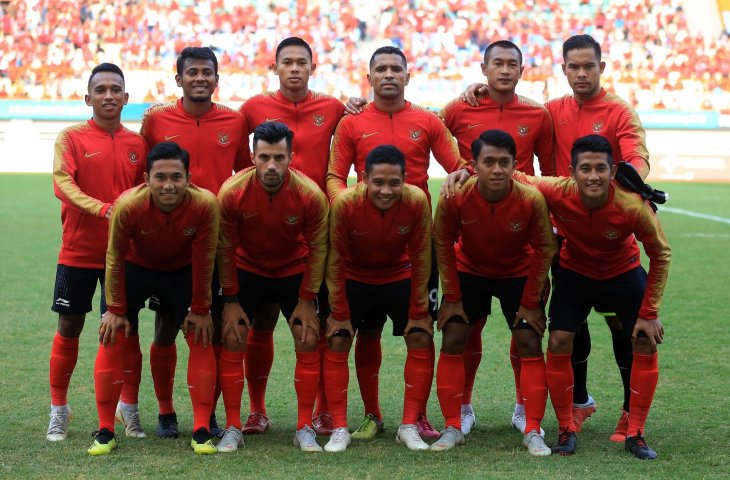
[216,137]
[94,162]
[273,244]
[312,117]
[378,264]
[530,125]
[493,238]
[600,267]
[162,243]
[389,119]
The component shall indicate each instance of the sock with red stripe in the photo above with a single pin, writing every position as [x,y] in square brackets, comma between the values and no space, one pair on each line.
[516,362]
[368,358]
[202,376]
[472,359]
[559,376]
[321,405]
[306,383]
[163,361]
[450,387]
[231,379]
[132,371]
[108,379]
[644,377]
[336,379]
[257,364]
[418,376]
[534,391]
[64,353]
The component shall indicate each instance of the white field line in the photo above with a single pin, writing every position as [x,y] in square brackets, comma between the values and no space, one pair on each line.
[690,213]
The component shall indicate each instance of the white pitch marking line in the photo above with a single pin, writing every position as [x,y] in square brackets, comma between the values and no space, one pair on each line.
[690,213]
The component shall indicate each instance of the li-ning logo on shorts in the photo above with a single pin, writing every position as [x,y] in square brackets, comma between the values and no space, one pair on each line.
[414,135]
[404,229]
[132,154]
[597,127]
[291,219]
[62,302]
[223,138]
[189,231]
[515,226]
[522,130]
[611,234]
[318,120]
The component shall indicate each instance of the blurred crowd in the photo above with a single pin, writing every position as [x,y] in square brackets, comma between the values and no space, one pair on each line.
[48,47]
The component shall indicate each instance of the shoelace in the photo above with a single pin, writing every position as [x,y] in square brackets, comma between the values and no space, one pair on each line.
[413,433]
[57,421]
[563,437]
[369,418]
[640,441]
[424,424]
[338,435]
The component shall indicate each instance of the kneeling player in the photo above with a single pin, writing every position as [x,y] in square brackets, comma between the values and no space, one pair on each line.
[378,264]
[493,238]
[162,243]
[600,267]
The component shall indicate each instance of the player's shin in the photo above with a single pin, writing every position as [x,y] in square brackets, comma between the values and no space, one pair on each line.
[108,379]
[450,387]
[231,380]
[559,375]
[201,381]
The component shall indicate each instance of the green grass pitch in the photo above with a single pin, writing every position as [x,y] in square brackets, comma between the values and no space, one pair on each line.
[689,424]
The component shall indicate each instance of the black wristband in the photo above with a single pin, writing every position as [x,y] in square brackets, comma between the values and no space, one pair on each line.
[230,298]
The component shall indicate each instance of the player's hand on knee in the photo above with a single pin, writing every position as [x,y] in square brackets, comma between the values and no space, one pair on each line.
[425,324]
[233,315]
[334,326]
[109,325]
[653,329]
[202,325]
[447,311]
[533,317]
[470,94]
[306,313]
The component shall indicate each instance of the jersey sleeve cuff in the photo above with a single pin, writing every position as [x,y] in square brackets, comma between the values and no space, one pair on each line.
[308,296]
[104,208]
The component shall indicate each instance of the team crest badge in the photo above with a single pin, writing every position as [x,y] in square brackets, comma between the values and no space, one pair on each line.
[291,219]
[597,127]
[223,138]
[515,226]
[133,156]
[522,130]
[415,135]
[188,231]
[318,120]
[404,229]
[611,234]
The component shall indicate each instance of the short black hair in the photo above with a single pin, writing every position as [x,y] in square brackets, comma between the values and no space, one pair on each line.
[593,144]
[389,154]
[168,151]
[105,67]
[273,132]
[293,42]
[506,44]
[202,53]
[495,138]
[579,42]
[389,50]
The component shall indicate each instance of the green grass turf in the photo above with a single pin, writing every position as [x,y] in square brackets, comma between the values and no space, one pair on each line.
[689,424]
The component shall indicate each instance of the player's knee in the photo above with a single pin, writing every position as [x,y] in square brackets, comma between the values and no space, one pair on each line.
[643,346]
[528,343]
[339,343]
[418,340]
[560,342]
[165,329]
[455,337]
[71,326]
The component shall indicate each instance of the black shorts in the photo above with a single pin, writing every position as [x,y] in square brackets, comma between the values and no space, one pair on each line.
[574,295]
[255,290]
[370,305]
[172,289]
[323,303]
[477,293]
[74,290]
[216,304]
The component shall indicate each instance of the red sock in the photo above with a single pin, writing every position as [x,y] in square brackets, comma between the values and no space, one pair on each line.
[368,358]
[450,387]
[306,381]
[132,371]
[534,389]
[108,379]
[257,364]
[201,381]
[472,359]
[64,352]
[163,361]
[644,377]
[320,405]
[515,360]
[217,391]
[336,379]
[230,377]
[424,407]
[418,377]
[559,376]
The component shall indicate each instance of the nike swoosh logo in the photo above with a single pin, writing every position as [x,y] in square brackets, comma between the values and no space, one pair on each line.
[272,119]
[562,123]
[355,232]
[246,216]
[566,219]
[170,137]
[89,155]
[147,232]
[368,135]
[469,222]
[474,125]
